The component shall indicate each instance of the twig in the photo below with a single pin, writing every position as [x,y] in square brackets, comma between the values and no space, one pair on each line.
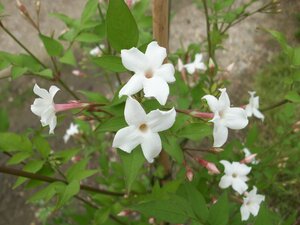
[210,52]
[33,176]
[282,102]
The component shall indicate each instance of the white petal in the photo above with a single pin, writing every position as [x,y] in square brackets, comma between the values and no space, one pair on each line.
[151,146]
[53,90]
[212,102]
[248,110]
[155,54]
[228,168]
[43,93]
[134,113]
[235,118]
[220,134]
[258,114]
[161,120]
[244,213]
[158,88]
[200,66]
[134,85]
[225,181]
[66,138]
[39,106]
[254,209]
[224,102]
[256,102]
[190,68]
[241,169]
[239,185]
[198,58]
[134,60]
[127,139]
[52,124]
[166,71]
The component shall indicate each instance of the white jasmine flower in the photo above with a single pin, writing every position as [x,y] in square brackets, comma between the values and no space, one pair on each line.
[97,50]
[44,106]
[252,107]
[150,74]
[248,153]
[71,131]
[196,65]
[143,129]
[225,117]
[251,204]
[235,176]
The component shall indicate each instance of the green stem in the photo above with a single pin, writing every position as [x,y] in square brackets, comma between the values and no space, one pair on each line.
[21,45]
[210,53]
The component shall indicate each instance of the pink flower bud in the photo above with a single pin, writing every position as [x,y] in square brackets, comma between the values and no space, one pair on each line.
[189,174]
[69,106]
[248,159]
[124,213]
[75,159]
[211,167]
[211,65]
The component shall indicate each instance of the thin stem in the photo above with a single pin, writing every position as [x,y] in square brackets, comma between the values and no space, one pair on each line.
[119,79]
[282,102]
[33,176]
[210,51]
[21,45]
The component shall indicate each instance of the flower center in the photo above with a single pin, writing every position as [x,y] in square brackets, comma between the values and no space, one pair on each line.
[149,74]
[143,127]
[234,175]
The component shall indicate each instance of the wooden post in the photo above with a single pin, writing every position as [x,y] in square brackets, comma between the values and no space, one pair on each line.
[160,14]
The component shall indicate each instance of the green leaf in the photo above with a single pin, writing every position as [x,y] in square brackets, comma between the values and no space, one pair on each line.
[132,163]
[174,210]
[293,96]
[32,167]
[102,215]
[68,58]
[95,97]
[18,157]
[17,71]
[195,199]
[88,38]
[11,142]
[71,190]
[70,22]
[219,212]
[122,30]
[46,193]
[111,125]
[52,46]
[66,155]
[172,147]
[4,124]
[75,169]
[195,131]
[89,10]
[110,62]
[42,146]
[45,73]
[264,217]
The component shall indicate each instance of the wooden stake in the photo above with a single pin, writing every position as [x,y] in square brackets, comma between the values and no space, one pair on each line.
[160,14]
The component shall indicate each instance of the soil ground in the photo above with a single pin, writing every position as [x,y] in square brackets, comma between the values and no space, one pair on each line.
[247,46]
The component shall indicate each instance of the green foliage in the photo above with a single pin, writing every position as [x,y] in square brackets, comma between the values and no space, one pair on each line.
[110,63]
[132,164]
[53,47]
[122,30]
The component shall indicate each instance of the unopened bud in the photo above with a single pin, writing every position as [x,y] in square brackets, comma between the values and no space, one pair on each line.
[78,73]
[151,220]
[229,68]
[211,167]
[214,200]
[211,64]
[22,7]
[75,159]
[189,174]
[124,213]
[38,5]
[248,159]
[180,66]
